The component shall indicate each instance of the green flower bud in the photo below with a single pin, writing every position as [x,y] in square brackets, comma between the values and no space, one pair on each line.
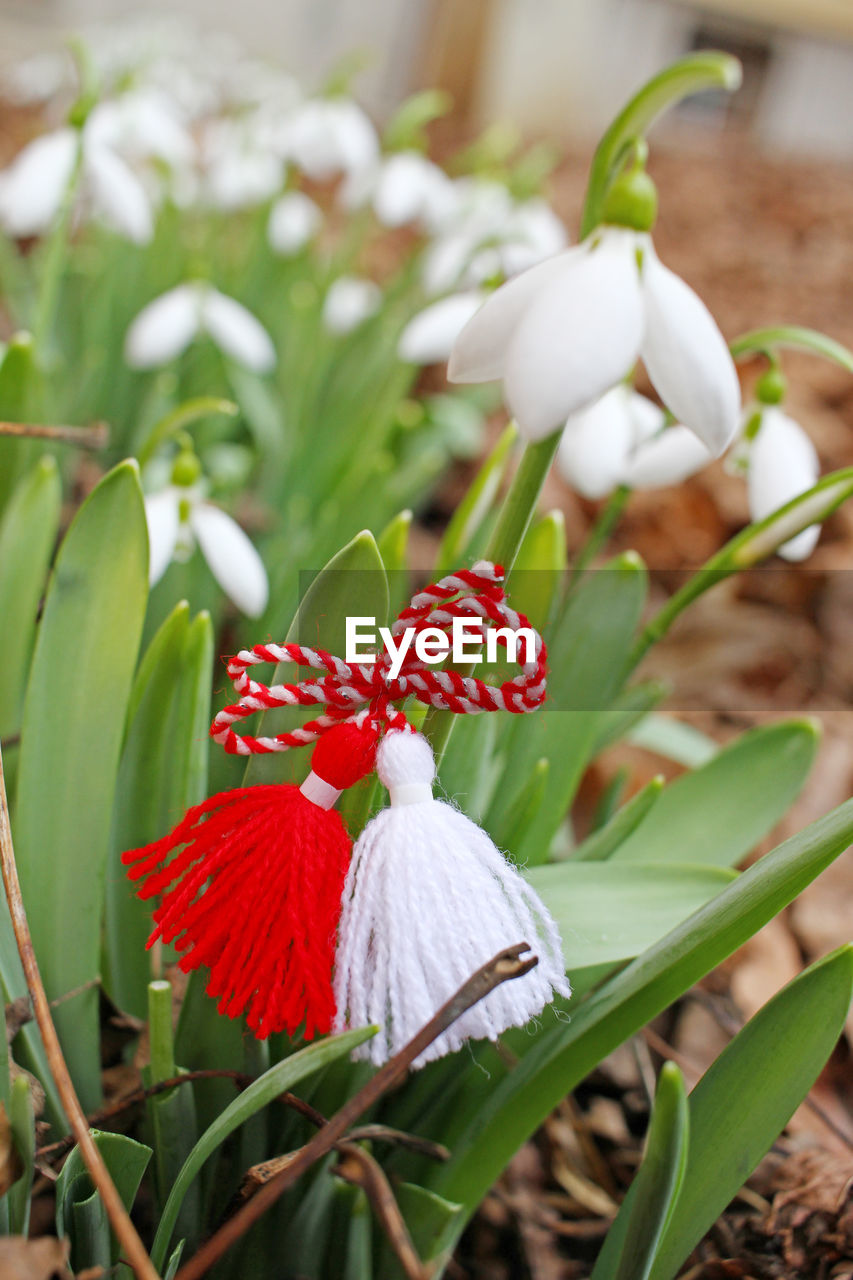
[771,386]
[186,469]
[632,201]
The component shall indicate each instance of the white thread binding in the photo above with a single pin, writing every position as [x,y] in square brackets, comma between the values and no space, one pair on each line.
[319,791]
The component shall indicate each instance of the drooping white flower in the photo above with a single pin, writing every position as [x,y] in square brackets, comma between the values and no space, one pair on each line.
[350,301]
[565,331]
[239,173]
[179,519]
[167,325]
[407,187]
[621,439]
[484,233]
[33,187]
[781,463]
[294,220]
[328,136]
[429,336]
[141,125]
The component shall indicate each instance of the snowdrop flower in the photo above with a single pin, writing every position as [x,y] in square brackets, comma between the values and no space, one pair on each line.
[404,187]
[33,187]
[165,328]
[294,220]
[349,302]
[567,330]
[622,439]
[179,519]
[141,125]
[429,336]
[239,174]
[781,463]
[488,234]
[328,136]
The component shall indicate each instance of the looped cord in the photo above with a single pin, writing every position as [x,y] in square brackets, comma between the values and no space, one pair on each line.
[367,691]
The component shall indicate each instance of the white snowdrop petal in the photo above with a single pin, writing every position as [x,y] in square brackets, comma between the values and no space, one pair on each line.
[404,187]
[164,328]
[479,353]
[646,416]
[232,558]
[34,184]
[783,462]
[577,338]
[596,443]
[429,336]
[349,302]
[162,518]
[687,358]
[118,195]
[293,221]
[666,459]
[237,332]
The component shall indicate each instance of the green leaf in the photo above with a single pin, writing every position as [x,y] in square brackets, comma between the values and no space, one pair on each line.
[79,1211]
[540,568]
[394,540]
[587,648]
[518,834]
[608,911]
[73,722]
[747,1096]
[19,395]
[22,1120]
[629,1249]
[628,709]
[561,1057]
[27,536]
[163,771]
[674,740]
[716,814]
[284,1075]
[428,1217]
[353,583]
[473,508]
[760,341]
[606,840]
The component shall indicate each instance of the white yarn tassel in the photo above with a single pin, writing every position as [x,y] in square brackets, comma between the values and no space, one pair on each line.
[428,900]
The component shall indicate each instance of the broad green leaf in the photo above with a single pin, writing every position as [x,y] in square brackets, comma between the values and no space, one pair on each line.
[353,583]
[539,571]
[79,1212]
[629,708]
[163,771]
[561,1057]
[609,911]
[603,843]
[518,834]
[629,1249]
[469,770]
[284,1075]
[587,648]
[747,1096]
[393,541]
[675,740]
[28,531]
[74,716]
[19,402]
[427,1216]
[474,507]
[716,814]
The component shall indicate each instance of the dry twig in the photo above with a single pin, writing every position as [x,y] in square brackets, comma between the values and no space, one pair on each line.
[133,1248]
[503,967]
[96,436]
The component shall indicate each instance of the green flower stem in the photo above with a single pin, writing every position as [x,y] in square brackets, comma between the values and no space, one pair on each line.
[56,252]
[687,76]
[765,341]
[507,537]
[602,529]
[161,1043]
[753,544]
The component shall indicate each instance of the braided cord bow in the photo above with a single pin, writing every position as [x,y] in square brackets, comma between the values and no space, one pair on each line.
[367,691]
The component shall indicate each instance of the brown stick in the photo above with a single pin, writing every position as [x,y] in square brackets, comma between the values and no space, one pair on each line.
[358,1167]
[504,966]
[96,436]
[133,1248]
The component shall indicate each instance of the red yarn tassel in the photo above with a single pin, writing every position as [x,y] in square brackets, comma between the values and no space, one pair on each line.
[255,892]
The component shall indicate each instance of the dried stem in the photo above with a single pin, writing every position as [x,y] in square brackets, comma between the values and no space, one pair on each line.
[96,436]
[506,965]
[132,1247]
[358,1167]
